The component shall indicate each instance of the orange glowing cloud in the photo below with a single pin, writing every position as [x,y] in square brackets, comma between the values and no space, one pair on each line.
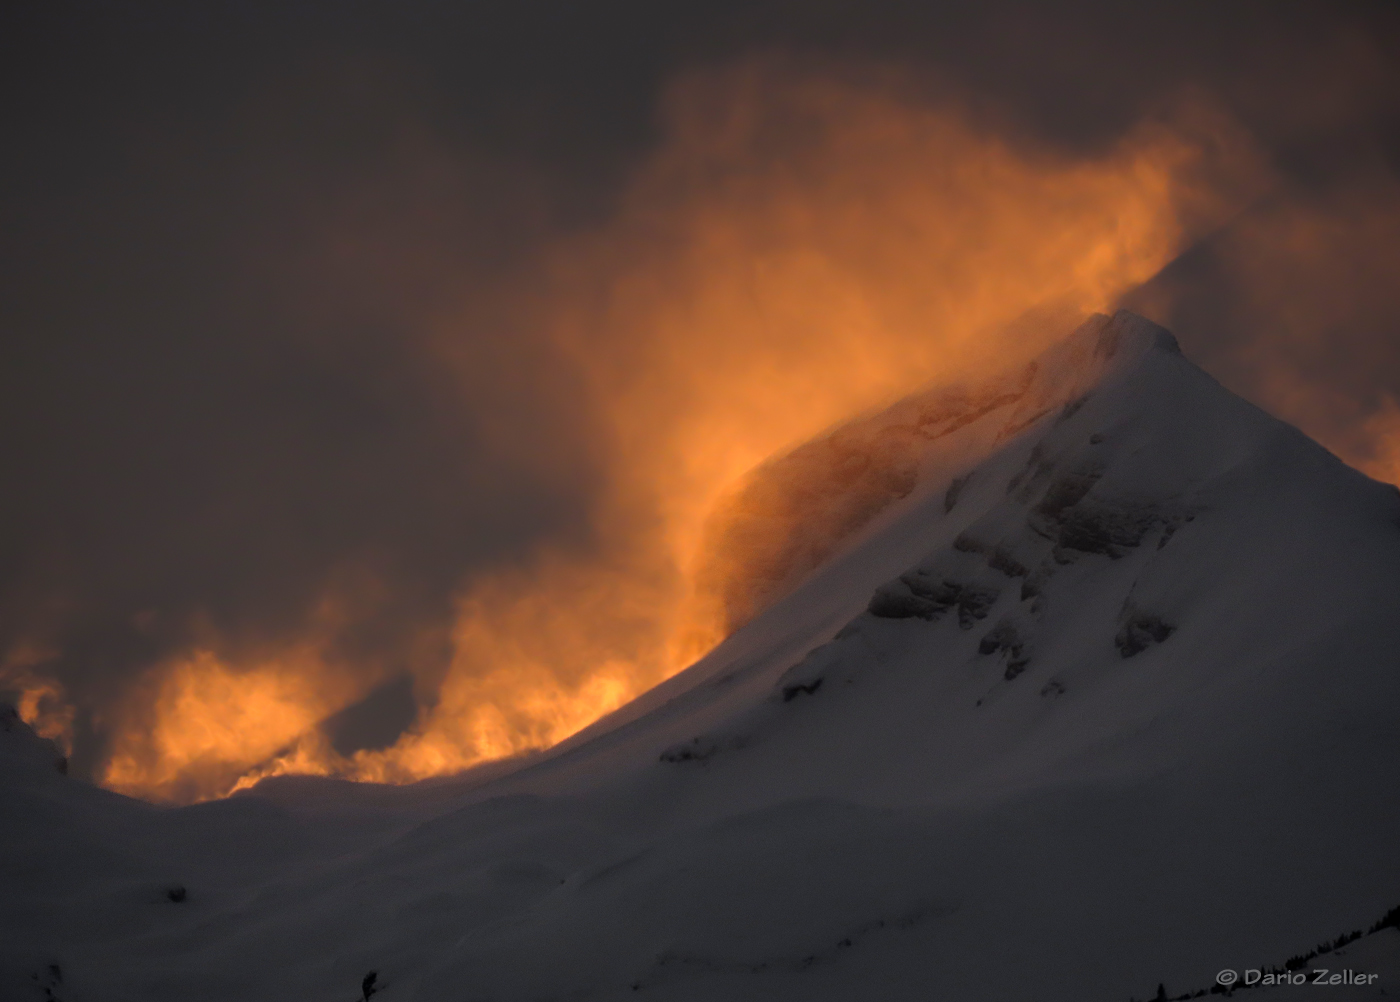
[1314,279]
[40,700]
[1382,429]
[800,248]
[210,724]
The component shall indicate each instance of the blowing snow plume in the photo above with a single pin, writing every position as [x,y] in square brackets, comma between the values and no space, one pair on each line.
[1312,279]
[801,247]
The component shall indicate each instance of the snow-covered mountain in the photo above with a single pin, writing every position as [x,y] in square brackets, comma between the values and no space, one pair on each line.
[1098,687]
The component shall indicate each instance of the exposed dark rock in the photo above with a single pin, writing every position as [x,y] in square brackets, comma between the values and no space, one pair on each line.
[955,490]
[1035,583]
[1004,637]
[1073,521]
[1099,531]
[808,675]
[998,558]
[972,600]
[934,589]
[1096,439]
[974,603]
[176,893]
[945,593]
[697,749]
[916,595]
[966,544]
[1067,492]
[791,692]
[1140,631]
[895,601]
[1003,561]
[998,639]
[1052,688]
[1071,409]
[1035,472]
[1171,525]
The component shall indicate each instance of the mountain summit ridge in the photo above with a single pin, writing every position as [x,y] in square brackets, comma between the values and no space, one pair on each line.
[1072,500]
[792,512]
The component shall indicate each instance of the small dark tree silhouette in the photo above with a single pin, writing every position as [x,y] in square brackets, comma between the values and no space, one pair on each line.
[367,985]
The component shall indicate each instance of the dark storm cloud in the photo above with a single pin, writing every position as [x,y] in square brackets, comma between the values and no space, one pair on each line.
[229,232]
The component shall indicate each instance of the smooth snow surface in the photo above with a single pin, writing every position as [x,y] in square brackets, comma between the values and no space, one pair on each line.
[1112,698]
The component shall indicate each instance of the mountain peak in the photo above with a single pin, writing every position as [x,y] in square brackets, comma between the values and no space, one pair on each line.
[1129,334]
[796,510]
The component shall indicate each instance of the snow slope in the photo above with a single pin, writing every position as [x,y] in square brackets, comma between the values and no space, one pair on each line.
[1109,697]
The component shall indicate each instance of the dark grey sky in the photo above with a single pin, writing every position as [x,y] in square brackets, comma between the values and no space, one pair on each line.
[225,229]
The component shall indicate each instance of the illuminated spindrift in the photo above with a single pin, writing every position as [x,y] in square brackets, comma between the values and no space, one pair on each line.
[798,249]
